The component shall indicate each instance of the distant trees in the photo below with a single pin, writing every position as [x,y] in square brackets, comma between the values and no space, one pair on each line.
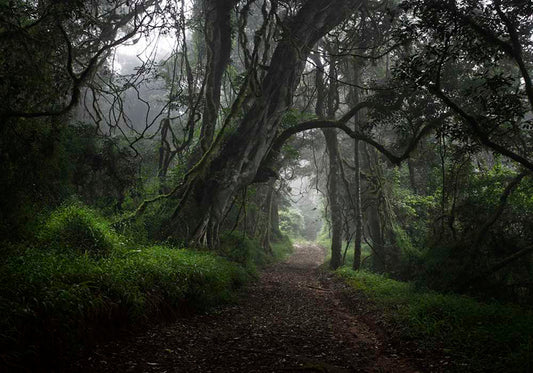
[424,109]
[461,101]
[51,52]
[472,60]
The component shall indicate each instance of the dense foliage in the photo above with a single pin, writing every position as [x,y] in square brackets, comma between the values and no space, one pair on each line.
[134,184]
[471,335]
[79,281]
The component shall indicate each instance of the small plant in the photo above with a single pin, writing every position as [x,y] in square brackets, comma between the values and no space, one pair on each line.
[76,228]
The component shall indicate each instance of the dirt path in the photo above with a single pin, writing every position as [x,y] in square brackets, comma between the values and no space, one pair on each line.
[292,320]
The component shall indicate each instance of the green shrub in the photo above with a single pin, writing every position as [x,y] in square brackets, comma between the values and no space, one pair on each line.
[324,238]
[50,299]
[281,248]
[238,247]
[83,278]
[145,228]
[291,222]
[480,337]
[76,228]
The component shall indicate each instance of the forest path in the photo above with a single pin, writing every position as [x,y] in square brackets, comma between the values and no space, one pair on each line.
[294,319]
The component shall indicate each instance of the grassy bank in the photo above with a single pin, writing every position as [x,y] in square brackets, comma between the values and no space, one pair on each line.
[78,280]
[479,337]
[55,300]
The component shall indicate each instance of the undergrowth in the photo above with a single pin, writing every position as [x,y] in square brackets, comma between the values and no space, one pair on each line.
[79,278]
[239,248]
[49,294]
[75,228]
[480,337]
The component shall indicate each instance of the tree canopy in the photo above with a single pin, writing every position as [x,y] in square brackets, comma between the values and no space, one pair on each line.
[424,110]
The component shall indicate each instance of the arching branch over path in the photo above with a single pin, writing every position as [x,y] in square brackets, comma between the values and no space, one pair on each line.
[355,134]
[240,156]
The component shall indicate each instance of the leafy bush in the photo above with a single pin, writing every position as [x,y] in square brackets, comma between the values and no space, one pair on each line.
[84,279]
[281,248]
[480,337]
[448,264]
[146,228]
[75,228]
[50,300]
[291,222]
[239,248]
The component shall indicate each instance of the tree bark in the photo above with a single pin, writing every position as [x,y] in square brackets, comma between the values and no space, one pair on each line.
[375,229]
[218,42]
[332,146]
[356,71]
[236,163]
[274,215]
[267,233]
[358,213]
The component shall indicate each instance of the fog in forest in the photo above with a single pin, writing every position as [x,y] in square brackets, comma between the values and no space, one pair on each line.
[301,185]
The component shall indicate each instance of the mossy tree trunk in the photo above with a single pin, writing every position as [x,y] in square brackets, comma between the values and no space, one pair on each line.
[218,43]
[358,214]
[332,146]
[237,161]
[328,96]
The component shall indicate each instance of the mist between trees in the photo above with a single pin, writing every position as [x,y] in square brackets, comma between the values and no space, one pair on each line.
[397,133]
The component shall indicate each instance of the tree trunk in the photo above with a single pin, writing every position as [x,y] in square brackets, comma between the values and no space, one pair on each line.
[274,215]
[332,146]
[269,204]
[376,234]
[356,70]
[218,42]
[374,227]
[358,213]
[236,163]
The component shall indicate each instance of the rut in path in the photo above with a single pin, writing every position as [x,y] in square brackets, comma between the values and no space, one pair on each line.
[291,320]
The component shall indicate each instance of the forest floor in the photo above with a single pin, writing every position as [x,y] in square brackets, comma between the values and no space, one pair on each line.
[295,318]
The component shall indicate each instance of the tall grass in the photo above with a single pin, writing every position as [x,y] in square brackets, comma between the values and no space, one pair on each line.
[75,228]
[48,295]
[480,337]
[80,278]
